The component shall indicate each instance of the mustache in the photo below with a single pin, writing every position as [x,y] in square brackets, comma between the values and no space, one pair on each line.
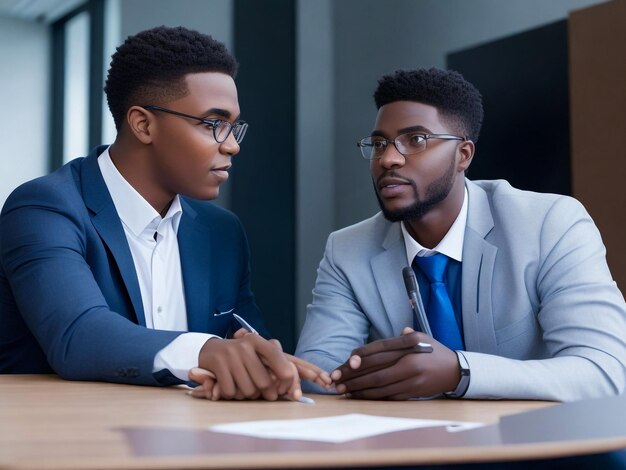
[393,174]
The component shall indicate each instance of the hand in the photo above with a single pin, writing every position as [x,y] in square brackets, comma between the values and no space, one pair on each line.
[247,367]
[210,388]
[305,369]
[391,369]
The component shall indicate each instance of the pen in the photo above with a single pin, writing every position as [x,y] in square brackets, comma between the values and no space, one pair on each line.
[248,327]
[423,347]
[244,324]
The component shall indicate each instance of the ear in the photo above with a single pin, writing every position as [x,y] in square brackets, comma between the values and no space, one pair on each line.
[465,151]
[140,123]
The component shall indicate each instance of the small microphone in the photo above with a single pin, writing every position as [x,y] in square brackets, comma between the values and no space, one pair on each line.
[410,282]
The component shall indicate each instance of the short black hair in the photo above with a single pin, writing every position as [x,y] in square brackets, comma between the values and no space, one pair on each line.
[456,99]
[149,67]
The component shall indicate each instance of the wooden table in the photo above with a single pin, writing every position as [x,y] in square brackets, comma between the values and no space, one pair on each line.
[49,423]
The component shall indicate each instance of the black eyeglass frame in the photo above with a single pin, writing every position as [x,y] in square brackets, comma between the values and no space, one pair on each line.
[362,145]
[214,123]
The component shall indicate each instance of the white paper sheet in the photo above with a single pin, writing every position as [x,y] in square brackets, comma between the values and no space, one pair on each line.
[335,429]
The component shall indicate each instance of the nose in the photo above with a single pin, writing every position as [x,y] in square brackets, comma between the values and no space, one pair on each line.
[391,158]
[230,146]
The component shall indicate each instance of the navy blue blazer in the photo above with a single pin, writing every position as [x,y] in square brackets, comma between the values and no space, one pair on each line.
[69,295]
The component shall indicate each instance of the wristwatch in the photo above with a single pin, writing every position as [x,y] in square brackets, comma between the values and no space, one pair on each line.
[463,385]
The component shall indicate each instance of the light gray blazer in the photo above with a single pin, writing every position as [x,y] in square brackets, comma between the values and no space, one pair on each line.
[542,316]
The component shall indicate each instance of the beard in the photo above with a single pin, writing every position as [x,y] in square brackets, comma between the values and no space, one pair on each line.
[436,192]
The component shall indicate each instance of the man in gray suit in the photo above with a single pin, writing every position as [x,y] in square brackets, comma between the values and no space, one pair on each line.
[525,308]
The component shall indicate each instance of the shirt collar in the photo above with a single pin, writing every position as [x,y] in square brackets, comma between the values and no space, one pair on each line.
[452,243]
[134,211]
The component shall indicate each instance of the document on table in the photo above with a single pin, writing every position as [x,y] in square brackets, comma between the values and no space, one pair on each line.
[335,429]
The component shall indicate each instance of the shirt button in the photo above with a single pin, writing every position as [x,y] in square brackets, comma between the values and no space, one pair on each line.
[159,309]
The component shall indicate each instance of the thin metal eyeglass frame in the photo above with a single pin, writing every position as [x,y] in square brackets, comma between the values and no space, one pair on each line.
[426,137]
[214,123]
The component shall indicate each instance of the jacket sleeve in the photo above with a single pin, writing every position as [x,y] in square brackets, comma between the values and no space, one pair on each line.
[43,246]
[335,323]
[582,316]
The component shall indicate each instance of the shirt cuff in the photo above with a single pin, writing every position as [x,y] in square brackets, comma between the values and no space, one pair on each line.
[181,355]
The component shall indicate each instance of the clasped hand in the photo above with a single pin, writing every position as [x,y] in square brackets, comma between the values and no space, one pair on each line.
[394,369]
[250,367]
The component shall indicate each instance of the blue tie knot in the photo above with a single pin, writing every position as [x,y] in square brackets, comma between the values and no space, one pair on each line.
[434,267]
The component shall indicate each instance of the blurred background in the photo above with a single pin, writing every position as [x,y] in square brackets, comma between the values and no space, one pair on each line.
[552,74]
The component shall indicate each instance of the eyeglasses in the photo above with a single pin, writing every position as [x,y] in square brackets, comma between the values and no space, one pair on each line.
[374,147]
[221,128]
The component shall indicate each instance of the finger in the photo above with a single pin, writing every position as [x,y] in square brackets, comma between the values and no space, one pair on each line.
[382,359]
[262,378]
[224,374]
[309,371]
[295,392]
[407,367]
[216,393]
[275,360]
[374,363]
[407,330]
[402,396]
[199,375]
[355,362]
[390,344]
[240,396]
[241,332]
[348,370]
[276,343]
[270,393]
[241,368]
[205,390]
[404,388]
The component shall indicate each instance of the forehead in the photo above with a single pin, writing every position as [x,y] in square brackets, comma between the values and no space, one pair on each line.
[398,115]
[210,90]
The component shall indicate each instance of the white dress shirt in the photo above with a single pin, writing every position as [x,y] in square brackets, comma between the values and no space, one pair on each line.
[154,247]
[451,245]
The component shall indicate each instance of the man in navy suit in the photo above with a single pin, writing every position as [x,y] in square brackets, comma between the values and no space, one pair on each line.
[114,268]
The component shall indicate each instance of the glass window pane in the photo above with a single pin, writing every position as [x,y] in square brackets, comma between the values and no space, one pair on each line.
[76,125]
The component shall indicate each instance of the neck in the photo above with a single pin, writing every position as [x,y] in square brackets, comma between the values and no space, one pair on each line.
[430,229]
[133,161]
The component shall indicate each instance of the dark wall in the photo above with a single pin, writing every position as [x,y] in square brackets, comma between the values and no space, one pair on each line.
[525,137]
[263,182]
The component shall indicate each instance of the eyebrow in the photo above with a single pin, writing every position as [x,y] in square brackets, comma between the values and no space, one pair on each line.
[404,130]
[220,112]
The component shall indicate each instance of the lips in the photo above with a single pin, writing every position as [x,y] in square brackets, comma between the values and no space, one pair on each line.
[392,186]
[221,172]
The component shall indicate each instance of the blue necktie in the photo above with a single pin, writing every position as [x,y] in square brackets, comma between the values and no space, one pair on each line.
[439,310]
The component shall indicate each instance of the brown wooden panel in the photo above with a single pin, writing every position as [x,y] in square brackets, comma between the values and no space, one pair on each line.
[597,51]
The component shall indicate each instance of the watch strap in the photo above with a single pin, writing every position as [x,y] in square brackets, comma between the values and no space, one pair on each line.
[463,385]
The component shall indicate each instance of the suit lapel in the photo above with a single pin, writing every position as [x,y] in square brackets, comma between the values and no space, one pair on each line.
[387,270]
[195,259]
[477,274]
[107,222]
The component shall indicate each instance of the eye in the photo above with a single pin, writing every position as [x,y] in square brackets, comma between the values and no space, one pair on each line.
[416,139]
[379,144]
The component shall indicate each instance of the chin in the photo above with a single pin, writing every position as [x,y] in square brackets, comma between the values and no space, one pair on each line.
[204,195]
